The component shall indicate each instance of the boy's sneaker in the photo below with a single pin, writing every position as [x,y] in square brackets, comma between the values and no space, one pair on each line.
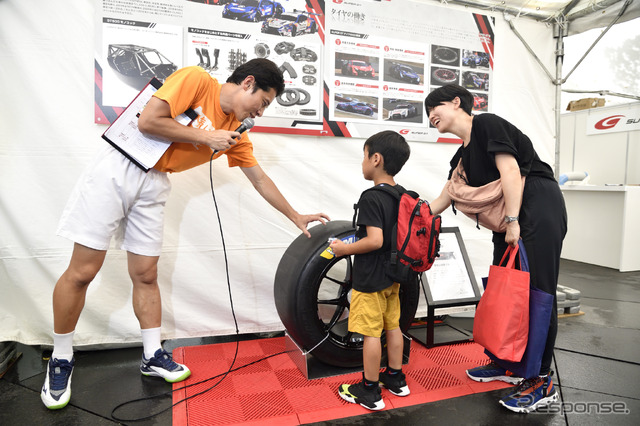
[56,390]
[358,394]
[491,372]
[395,383]
[162,365]
[531,394]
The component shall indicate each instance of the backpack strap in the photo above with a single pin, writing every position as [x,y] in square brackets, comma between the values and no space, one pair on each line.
[395,191]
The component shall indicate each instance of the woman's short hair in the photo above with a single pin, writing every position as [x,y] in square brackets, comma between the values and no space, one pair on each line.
[447,94]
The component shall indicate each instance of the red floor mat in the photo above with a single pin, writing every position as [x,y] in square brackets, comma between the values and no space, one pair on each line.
[274,391]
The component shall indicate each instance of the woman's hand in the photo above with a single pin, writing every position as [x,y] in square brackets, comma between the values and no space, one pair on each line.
[513,233]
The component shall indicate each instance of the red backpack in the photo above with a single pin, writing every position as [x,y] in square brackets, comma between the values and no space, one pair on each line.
[416,234]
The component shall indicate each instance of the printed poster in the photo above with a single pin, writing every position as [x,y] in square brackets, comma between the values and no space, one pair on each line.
[351,68]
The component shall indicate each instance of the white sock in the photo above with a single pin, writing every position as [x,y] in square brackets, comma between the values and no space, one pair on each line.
[63,346]
[151,341]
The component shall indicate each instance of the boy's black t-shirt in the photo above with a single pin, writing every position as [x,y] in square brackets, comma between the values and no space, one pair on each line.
[379,209]
[491,134]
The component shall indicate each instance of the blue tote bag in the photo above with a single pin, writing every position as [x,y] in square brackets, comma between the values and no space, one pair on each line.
[540,308]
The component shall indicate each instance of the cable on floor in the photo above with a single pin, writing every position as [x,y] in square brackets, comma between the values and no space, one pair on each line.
[235,321]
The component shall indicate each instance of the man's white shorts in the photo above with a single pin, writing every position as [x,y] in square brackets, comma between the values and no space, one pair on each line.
[114,197]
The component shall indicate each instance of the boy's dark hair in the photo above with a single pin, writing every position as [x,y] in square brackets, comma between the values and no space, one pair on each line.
[392,146]
[447,94]
[267,74]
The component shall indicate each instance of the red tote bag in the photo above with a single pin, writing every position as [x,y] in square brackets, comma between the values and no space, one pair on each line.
[501,322]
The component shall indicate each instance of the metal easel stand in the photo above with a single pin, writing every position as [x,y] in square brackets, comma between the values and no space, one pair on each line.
[452,273]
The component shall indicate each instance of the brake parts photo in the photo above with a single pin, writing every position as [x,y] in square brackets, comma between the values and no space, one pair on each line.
[262,50]
[284,47]
[304,54]
[292,96]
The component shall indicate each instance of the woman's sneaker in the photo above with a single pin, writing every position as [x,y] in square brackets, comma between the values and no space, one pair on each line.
[531,394]
[395,383]
[358,394]
[491,372]
[56,391]
[162,365]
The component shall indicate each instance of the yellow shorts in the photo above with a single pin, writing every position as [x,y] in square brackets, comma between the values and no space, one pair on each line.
[370,313]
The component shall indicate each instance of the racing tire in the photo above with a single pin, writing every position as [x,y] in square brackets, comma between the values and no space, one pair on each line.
[294,31]
[445,55]
[312,295]
[368,112]
[444,75]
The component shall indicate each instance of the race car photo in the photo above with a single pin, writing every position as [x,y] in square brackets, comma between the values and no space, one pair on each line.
[475,59]
[480,102]
[252,10]
[290,24]
[356,107]
[402,73]
[402,111]
[357,68]
[474,80]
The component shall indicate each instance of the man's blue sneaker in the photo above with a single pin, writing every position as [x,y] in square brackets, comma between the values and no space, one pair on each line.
[56,391]
[491,372]
[531,394]
[162,365]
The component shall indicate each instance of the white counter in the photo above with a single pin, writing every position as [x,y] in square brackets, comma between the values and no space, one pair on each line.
[604,225]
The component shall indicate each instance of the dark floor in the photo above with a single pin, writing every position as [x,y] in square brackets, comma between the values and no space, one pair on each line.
[597,361]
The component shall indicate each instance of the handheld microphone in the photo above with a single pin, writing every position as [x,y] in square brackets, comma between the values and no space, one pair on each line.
[247,124]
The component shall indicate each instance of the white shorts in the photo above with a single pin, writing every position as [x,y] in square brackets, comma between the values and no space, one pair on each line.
[114,197]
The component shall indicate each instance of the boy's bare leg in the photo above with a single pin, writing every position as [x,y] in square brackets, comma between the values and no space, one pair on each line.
[371,354]
[395,346]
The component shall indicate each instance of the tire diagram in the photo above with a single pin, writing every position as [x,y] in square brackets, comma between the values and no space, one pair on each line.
[312,294]
[444,75]
[445,55]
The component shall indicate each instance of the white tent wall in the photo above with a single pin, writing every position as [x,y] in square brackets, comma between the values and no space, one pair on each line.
[48,137]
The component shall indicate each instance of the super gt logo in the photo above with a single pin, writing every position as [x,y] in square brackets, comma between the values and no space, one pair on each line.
[609,122]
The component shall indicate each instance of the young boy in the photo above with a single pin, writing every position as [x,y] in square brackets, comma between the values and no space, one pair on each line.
[375,304]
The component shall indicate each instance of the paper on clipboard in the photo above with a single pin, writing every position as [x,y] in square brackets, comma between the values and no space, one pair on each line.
[123,134]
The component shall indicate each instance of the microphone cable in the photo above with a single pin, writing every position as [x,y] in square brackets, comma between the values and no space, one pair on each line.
[235,321]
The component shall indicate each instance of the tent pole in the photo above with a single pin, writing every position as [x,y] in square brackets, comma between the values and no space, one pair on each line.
[560,29]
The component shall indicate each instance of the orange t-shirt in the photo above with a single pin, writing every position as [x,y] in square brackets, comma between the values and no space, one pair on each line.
[193,87]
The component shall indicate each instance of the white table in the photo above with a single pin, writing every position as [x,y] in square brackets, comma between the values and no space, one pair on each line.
[604,225]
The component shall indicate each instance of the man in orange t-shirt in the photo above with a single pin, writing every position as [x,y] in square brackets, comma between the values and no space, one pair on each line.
[116,198]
